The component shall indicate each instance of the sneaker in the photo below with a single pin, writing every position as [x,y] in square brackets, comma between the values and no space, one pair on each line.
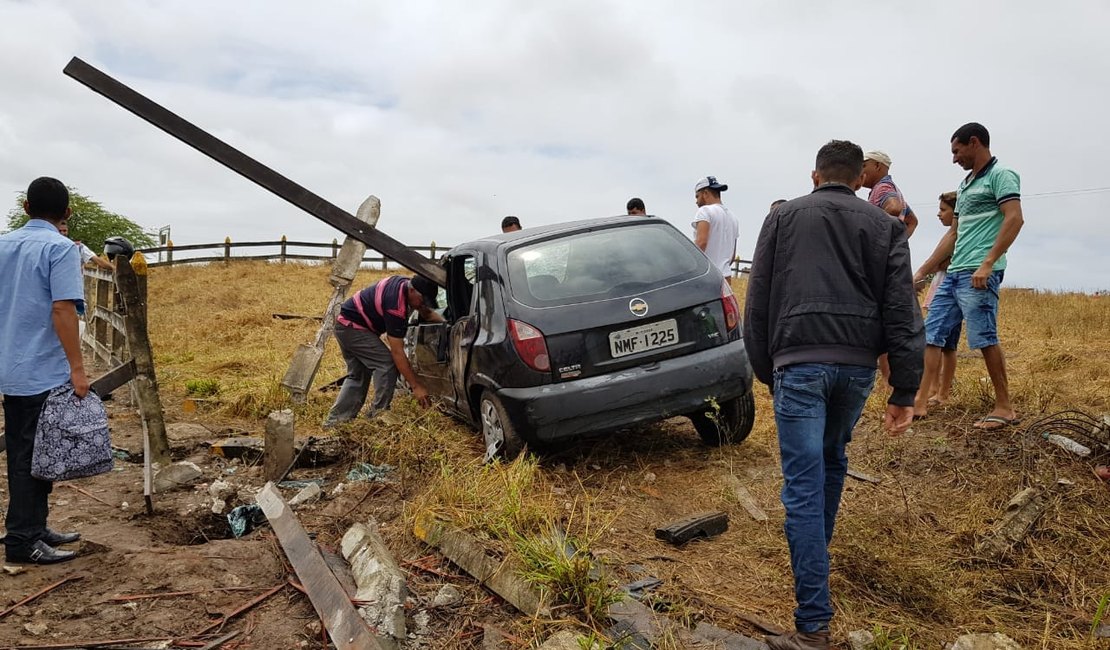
[800,641]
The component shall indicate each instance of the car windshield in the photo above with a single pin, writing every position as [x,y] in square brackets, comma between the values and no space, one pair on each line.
[602,264]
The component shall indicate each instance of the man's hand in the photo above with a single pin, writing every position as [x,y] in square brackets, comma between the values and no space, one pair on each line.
[80,382]
[981,275]
[897,419]
[421,395]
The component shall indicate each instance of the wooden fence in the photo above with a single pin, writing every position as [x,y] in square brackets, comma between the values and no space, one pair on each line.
[279,252]
[105,331]
[170,254]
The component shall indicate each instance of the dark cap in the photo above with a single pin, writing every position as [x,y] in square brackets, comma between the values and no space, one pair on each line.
[428,289]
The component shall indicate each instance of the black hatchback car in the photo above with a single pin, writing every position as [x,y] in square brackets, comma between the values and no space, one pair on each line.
[584,328]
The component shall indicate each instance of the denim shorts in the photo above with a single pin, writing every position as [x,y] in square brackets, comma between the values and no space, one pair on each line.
[956,300]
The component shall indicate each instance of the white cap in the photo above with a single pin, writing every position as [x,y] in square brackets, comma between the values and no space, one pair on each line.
[711,183]
[878,157]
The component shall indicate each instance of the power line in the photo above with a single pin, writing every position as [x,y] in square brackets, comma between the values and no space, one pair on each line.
[1089,190]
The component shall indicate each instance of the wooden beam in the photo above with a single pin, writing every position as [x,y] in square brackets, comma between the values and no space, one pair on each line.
[113,379]
[347,629]
[146,385]
[251,169]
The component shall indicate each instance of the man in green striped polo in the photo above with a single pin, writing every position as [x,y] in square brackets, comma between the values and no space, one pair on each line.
[988,219]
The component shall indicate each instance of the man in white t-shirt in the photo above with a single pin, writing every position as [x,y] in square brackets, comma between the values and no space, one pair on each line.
[715,228]
[87,254]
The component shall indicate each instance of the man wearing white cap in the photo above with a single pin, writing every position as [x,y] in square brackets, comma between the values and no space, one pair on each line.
[715,228]
[884,193]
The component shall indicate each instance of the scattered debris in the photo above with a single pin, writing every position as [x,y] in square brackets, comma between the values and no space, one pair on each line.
[368,472]
[563,640]
[177,475]
[224,618]
[746,499]
[36,628]
[994,641]
[635,626]
[301,484]
[179,431]
[862,476]
[725,640]
[641,588]
[1021,513]
[121,454]
[447,596]
[88,494]
[216,643]
[244,519]
[381,583]
[861,640]
[1074,431]
[309,493]
[311,452]
[14,570]
[1067,444]
[37,594]
[499,575]
[347,629]
[704,524]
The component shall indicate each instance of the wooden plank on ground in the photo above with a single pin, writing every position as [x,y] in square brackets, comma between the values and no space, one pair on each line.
[746,499]
[347,629]
[861,476]
[500,576]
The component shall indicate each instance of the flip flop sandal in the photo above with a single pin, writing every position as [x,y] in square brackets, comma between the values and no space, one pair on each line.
[996,419]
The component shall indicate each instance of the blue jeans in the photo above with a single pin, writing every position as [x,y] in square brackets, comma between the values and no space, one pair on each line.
[816,407]
[956,300]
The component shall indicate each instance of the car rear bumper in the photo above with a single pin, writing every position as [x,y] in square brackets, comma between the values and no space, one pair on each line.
[646,393]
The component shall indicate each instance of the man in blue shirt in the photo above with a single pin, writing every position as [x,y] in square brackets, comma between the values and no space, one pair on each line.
[39,351]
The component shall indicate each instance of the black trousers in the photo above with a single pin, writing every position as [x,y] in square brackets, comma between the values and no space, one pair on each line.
[27,496]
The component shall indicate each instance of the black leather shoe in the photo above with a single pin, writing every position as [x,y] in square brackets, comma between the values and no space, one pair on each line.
[54,538]
[39,553]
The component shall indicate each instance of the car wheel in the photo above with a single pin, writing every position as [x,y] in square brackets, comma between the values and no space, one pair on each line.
[728,426]
[502,440]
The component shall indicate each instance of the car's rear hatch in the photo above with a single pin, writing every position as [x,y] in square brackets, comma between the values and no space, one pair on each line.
[617,297]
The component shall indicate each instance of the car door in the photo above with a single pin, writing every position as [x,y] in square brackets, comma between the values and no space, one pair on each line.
[463,300]
[427,347]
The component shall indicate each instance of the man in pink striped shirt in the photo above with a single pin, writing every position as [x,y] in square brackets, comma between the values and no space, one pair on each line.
[381,308]
[884,193]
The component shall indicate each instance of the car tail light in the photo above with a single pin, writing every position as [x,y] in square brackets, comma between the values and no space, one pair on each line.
[732,308]
[530,345]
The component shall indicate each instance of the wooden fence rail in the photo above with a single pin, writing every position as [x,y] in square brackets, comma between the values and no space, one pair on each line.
[170,254]
[166,253]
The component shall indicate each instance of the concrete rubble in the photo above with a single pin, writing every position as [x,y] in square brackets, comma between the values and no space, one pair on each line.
[995,641]
[381,583]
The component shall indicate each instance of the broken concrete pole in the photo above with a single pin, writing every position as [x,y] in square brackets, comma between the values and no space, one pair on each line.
[176,475]
[861,640]
[348,260]
[309,493]
[502,576]
[380,581]
[994,641]
[1021,513]
[562,640]
[278,454]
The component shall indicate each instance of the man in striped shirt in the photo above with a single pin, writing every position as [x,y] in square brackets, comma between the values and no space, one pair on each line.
[381,308]
[884,193]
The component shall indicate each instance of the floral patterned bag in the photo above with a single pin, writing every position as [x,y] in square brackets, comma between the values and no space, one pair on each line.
[72,438]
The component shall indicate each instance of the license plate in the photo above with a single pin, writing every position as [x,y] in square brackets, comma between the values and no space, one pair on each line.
[645,337]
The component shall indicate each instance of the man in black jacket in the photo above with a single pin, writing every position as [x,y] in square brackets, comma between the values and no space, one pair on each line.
[830,290]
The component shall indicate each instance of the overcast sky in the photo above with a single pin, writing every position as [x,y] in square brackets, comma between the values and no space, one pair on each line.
[457,114]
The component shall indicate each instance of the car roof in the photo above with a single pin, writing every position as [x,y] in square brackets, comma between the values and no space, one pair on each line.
[543,232]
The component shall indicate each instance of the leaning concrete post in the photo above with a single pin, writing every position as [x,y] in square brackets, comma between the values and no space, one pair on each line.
[277,455]
[306,359]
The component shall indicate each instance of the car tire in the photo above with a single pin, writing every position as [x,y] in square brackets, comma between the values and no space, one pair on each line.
[729,426]
[497,429]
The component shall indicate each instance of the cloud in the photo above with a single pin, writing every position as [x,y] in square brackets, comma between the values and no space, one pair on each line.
[455,115]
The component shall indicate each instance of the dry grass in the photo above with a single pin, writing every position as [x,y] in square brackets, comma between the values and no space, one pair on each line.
[904,557]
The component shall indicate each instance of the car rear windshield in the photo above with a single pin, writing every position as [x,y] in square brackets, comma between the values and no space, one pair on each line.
[602,264]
